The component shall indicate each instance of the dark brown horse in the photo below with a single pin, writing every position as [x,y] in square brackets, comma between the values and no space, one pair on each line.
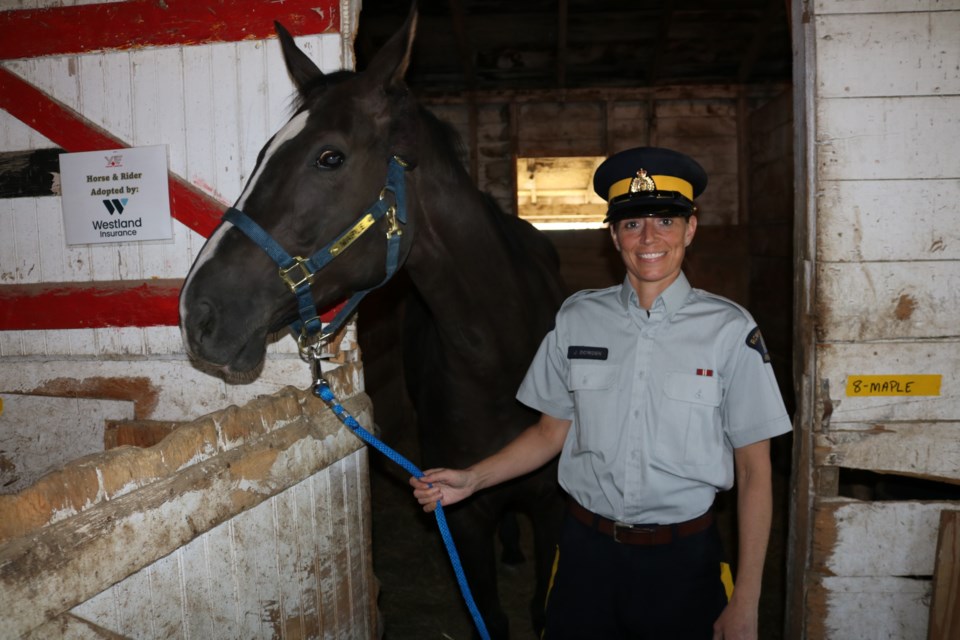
[486,283]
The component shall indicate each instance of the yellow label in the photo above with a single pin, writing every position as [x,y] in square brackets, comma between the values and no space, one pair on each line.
[894,385]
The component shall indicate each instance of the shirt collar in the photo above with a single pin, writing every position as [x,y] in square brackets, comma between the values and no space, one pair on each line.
[672,297]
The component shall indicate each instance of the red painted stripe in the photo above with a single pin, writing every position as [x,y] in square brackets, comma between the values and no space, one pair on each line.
[87,305]
[70,130]
[95,305]
[29,33]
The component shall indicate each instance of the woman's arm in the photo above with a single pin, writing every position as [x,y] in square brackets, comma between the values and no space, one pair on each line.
[532,449]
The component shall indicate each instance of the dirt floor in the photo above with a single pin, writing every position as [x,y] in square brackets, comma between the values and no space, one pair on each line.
[419,597]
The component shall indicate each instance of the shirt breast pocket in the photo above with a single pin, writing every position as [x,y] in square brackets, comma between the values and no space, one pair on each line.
[689,427]
[594,387]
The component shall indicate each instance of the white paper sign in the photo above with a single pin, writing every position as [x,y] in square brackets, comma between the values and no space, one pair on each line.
[119,195]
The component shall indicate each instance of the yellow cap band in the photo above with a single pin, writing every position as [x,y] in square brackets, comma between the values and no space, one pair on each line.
[664,183]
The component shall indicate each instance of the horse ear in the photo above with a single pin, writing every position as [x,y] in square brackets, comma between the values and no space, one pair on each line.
[299,65]
[390,63]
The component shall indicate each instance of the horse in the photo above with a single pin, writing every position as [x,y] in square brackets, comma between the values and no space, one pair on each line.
[486,284]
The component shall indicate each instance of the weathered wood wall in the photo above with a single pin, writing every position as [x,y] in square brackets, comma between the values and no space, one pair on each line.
[168,541]
[92,321]
[878,102]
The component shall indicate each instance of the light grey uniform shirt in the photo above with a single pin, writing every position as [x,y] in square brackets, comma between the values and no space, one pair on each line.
[657,402]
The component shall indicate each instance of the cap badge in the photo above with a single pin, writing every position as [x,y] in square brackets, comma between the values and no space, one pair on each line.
[642,183]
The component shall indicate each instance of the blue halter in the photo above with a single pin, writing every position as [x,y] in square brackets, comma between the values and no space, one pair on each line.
[298,273]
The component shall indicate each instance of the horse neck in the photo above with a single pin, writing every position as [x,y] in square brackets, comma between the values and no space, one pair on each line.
[462,267]
[458,246]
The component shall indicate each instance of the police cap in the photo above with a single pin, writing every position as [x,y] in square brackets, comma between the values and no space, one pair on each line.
[649,182]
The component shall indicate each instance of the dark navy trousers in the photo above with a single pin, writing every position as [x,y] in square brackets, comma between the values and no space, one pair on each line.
[603,589]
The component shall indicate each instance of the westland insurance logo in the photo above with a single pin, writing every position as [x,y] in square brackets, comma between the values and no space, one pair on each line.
[115,206]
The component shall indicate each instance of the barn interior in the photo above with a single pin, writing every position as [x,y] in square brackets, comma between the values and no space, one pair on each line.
[539,93]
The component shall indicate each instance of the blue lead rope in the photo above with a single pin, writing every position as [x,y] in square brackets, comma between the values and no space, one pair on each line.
[322,390]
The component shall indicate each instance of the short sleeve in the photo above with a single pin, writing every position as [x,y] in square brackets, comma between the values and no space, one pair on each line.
[544,387]
[753,408]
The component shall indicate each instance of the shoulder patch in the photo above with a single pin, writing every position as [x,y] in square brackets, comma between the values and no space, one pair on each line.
[755,342]
[587,353]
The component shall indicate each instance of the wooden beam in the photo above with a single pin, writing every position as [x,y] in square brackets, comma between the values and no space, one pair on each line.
[28,33]
[945,608]
[562,19]
[663,32]
[89,305]
[458,20]
[96,305]
[47,571]
[760,36]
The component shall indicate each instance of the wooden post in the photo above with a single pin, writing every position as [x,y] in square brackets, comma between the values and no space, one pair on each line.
[945,608]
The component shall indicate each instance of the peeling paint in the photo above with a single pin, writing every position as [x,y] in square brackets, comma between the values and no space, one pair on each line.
[905,307]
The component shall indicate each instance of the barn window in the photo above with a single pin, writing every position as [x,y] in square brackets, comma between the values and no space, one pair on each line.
[557,193]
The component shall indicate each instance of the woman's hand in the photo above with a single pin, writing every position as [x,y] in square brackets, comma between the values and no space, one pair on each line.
[446,486]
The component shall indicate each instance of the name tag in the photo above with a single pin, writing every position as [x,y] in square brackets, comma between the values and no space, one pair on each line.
[587,353]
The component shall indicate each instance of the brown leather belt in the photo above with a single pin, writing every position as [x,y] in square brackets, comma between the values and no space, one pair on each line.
[648,534]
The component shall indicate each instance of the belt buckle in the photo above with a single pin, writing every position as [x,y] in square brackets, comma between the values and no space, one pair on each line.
[631,528]
[619,527]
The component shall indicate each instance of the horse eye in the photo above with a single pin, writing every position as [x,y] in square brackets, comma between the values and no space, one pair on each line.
[329,159]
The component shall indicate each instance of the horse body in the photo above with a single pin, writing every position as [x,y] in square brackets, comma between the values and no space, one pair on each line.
[486,283]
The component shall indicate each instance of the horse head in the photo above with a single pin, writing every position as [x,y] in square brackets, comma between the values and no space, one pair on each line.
[311,191]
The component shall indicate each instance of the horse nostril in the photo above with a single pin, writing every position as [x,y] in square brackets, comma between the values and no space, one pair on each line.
[204,321]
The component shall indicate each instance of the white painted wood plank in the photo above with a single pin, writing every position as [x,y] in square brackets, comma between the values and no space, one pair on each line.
[253,124]
[280,90]
[34,342]
[289,617]
[182,391]
[25,266]
[115,80]
[9,264]
[890,220]
[53,258]
[17,136]
[10,344]
[909,54]
[864,539]
[873,608]
[39,434]
[304,506]
[920,449]
[199,90]
[888,138]
[883,6]
[888,300]
[361,545]
[324,525]
[158,113]
[162,341]
[225,116]
[57,75]
[836,361]
[83,342]
[119,340]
